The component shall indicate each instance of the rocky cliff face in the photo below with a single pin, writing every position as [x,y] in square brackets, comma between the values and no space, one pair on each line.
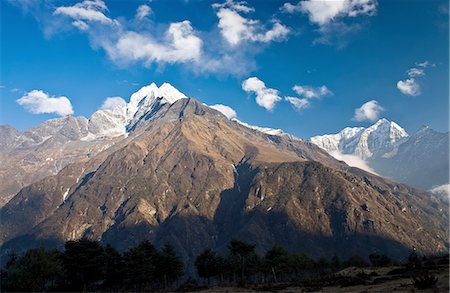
[187,175]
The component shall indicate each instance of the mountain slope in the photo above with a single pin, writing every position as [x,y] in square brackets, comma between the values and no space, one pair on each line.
[188,175]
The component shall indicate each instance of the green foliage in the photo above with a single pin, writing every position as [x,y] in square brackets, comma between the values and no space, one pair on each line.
[84,261]
[37,270]
[208,264]
[141,265]
[170,266]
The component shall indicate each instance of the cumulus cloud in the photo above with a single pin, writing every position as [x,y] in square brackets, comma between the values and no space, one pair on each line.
[368,111]
[143,11]
[111,103]
[39,102]
[353,161]
[225,110]
[181,45]
[298,103]
[265,97]
[411,86]
[235,28]
[86,11]
[322,12]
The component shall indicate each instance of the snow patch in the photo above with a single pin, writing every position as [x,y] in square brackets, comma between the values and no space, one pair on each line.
[65,194]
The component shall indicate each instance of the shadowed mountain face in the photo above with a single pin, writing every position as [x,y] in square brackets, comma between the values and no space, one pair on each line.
[189,176]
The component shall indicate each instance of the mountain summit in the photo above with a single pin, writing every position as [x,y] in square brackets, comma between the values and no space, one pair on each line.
[188,175]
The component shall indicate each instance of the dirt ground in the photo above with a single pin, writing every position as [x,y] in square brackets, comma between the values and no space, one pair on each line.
[378,280]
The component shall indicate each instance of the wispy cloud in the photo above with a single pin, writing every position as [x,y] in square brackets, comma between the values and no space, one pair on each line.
[307,93]
[39,102]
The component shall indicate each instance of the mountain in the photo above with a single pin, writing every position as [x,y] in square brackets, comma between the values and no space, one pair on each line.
[183,173]
[30,156]
[420,160]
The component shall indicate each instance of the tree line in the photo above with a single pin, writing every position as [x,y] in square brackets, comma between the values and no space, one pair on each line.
[87,265]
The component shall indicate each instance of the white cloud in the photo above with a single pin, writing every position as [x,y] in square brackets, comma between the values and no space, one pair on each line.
[225,110]
[353,161]
[368,111]
[181,45]
[236,28]
[297,103]
[323,12]
[265,97]
[111,103]
[143,11]
[39,102]
[443,190]
[409,87]
[413,72]
[88,10]
[310,92]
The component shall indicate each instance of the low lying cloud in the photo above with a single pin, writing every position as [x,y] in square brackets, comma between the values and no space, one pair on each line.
[111,103]
[225,110]
[353,161]
[265,97]
[368,111]
[39,102]
[442,190]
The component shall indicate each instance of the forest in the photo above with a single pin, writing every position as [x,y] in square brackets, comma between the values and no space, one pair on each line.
[87,266]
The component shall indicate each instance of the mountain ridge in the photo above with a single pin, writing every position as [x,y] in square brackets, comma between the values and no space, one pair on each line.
[190,176]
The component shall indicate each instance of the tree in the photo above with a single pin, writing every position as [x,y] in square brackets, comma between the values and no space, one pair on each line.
[84,262]
[37,270]
[140,263]
[243,259]
[114,268]
[208,264]
[276,261]
[169,265]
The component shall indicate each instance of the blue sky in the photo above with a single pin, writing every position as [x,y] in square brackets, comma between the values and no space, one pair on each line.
[343,56]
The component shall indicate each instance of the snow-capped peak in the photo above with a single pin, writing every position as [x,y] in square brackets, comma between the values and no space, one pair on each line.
[380,139]
[115,122]
[144,99]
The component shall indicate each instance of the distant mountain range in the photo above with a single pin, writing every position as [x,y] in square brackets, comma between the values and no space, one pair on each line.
[168,168]
[420,160]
